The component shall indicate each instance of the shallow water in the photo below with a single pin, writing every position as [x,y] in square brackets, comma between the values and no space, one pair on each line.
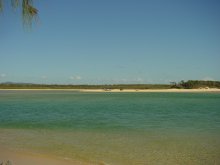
[114,128]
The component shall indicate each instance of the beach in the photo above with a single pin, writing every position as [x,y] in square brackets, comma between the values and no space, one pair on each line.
[124,90]
[109,82]
[153,90]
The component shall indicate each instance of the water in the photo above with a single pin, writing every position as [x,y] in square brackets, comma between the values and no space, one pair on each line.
[114,128]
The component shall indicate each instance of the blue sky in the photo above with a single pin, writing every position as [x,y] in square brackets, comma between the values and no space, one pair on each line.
[112,41]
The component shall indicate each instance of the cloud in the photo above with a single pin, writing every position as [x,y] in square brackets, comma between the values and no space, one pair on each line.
[78,78]
[139,79]
[44,77]
[127,80]
[75,77]
[2,75]
[208,79]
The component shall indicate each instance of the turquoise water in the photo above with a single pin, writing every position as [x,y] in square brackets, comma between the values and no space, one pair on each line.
[114,128]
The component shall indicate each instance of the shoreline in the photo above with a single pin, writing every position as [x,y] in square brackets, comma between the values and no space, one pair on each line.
[124,90]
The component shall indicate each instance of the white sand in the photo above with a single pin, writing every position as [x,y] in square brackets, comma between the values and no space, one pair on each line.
[152,90]
[124,90]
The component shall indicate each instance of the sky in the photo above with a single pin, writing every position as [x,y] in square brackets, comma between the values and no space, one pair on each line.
[112,42]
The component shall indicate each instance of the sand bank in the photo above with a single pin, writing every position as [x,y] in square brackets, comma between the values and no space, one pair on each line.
[118,90]
[152,90]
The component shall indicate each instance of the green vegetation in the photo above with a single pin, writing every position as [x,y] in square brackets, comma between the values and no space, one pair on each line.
[195,84]
[56,86]
[29,12]
[191,84]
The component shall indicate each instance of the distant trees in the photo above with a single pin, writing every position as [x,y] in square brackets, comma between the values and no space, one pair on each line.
[29,12]
[121,87]
[190,84]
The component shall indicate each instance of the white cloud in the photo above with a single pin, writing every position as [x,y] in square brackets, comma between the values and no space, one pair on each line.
[78,78]
[208,79]
[139,79]
[2,75]
[44,77]
[75,77]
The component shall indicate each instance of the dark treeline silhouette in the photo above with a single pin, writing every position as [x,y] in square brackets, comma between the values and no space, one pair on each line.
[194,84]
[57,86]
[191,84]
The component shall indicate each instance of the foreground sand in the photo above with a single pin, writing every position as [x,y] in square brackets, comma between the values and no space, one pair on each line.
[24,158]
[124,90]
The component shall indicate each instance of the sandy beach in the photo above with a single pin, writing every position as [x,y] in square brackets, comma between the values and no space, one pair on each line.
[124,90]
[152,90]
[109,82]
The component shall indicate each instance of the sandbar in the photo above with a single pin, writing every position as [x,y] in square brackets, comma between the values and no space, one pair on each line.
[123,90]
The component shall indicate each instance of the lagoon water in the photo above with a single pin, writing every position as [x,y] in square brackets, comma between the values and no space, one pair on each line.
[114,128]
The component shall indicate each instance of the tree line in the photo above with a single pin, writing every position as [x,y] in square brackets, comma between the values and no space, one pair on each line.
[58,86]
[190,84]
[194,84]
